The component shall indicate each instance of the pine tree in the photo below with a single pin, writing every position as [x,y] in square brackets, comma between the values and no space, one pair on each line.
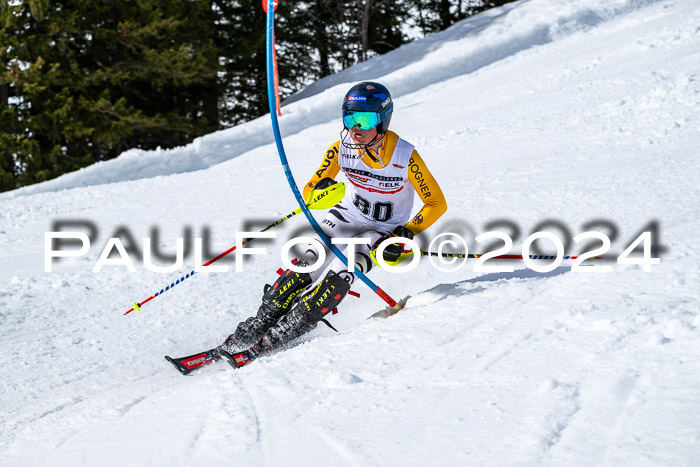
[87,80]
[241,44]
[81,81]
[385,26]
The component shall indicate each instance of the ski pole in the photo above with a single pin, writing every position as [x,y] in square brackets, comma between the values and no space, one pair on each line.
[319,199]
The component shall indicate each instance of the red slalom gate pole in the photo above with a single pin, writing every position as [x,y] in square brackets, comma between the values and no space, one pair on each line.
[277,80]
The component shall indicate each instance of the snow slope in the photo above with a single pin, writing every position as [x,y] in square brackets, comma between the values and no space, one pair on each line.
[573,112]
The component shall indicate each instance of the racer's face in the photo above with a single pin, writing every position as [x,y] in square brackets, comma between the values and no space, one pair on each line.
[360,136]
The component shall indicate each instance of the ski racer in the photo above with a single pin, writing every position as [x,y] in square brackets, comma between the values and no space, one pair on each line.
[385,173]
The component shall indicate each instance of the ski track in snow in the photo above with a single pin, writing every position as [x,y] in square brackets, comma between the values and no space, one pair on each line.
[568,111]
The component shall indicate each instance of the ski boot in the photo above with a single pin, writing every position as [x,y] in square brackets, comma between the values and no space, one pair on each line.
[303,317]
[276,301]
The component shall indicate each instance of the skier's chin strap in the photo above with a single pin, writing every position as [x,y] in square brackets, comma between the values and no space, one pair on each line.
[365,147]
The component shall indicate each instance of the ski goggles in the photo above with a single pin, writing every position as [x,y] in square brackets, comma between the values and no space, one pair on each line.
[365,120]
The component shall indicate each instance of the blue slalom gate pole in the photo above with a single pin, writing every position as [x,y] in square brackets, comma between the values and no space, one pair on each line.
[287,171]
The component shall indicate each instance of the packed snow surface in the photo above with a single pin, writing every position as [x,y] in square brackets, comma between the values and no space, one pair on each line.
[540,115]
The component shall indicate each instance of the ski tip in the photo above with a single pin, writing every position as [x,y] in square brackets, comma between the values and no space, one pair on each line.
[177,365]
[237,359]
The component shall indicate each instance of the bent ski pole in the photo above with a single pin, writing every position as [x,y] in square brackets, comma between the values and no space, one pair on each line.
[288,172]
[319,199]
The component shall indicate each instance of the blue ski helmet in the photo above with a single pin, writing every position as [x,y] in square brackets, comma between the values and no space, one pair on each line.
[370,97]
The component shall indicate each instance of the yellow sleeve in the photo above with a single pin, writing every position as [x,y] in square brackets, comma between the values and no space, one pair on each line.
[329,168]
[434,203]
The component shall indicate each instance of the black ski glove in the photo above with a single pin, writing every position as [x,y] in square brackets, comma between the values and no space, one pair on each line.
[324,183]
[393,251]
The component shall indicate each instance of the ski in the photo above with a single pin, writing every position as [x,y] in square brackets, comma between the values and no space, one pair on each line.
[187,365]
[231,351]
